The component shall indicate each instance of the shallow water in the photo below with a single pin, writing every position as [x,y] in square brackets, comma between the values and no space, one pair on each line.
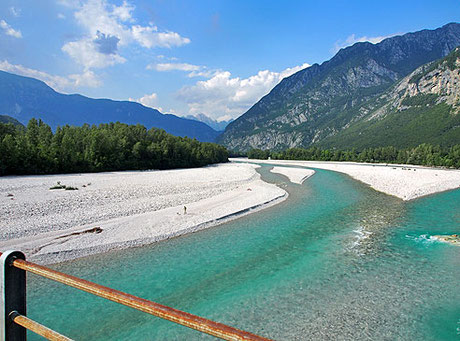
[336,260]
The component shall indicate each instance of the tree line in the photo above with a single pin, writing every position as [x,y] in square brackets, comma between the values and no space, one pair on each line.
[424,154]
[35,149]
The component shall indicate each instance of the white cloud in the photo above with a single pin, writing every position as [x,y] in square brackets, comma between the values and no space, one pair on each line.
[69,3]
[86,53]
[199,70]
[223,97]
[9,30]
[174,67]
[224,118]
[170,111]
[85,79]
[150,101]
[203,72]
[97,16]
[99,19]
[16,12]
[163,57]
[124,12]
[352,39]
[193,70]
[61,16]
[149,37]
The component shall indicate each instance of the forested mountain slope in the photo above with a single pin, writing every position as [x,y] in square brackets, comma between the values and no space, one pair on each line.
[424,107]
[320,101]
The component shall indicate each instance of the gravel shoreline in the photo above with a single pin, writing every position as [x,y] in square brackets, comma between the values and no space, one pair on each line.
[128,208]
[406,182]
[116,210]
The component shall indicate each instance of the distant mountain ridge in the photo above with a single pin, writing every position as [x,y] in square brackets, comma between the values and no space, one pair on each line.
[318,102]
[23,98]
[8,119]
[216,125]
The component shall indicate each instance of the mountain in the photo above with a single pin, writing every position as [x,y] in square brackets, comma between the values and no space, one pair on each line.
[424,107]
[9,119]
[24,98]
[320,101]
[216,125]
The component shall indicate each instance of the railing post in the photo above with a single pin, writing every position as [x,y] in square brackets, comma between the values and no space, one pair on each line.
[13,296]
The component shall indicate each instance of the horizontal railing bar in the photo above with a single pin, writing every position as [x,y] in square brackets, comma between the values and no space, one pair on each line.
[188,320]
[37,328]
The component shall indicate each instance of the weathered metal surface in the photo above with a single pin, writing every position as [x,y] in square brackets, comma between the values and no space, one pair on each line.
[37,327]
[189,320]
[12,297]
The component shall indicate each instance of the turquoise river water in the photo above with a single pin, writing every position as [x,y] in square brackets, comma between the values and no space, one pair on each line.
[335,261]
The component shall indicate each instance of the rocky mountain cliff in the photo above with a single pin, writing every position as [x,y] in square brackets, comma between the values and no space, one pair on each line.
[317,103]
[23,98]
[423,107]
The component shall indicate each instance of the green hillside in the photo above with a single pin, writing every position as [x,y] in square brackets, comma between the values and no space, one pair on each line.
[424,107]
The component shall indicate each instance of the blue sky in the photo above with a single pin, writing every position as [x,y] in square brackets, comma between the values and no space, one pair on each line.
[189,57]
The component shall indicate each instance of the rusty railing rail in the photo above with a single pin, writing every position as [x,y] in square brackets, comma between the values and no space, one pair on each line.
[36,327]
[13,311]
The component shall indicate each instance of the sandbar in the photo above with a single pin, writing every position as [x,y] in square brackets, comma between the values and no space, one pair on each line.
[295,175]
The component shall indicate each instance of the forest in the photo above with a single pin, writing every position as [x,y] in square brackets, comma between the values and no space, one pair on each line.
[36,149]
[424,154]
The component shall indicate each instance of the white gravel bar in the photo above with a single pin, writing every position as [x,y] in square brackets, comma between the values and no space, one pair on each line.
[115,210]
[406,182]
[295,175]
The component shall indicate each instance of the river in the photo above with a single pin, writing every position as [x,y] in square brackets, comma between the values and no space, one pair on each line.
[335,261]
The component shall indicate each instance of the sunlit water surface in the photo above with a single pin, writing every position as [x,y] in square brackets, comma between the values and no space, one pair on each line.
[336,260]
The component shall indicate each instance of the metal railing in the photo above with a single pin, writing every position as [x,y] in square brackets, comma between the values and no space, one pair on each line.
[14,322]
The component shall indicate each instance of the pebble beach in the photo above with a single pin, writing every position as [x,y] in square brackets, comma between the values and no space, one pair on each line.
[115,210]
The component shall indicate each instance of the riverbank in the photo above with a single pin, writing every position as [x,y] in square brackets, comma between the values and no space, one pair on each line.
[406,182]
[117,210]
